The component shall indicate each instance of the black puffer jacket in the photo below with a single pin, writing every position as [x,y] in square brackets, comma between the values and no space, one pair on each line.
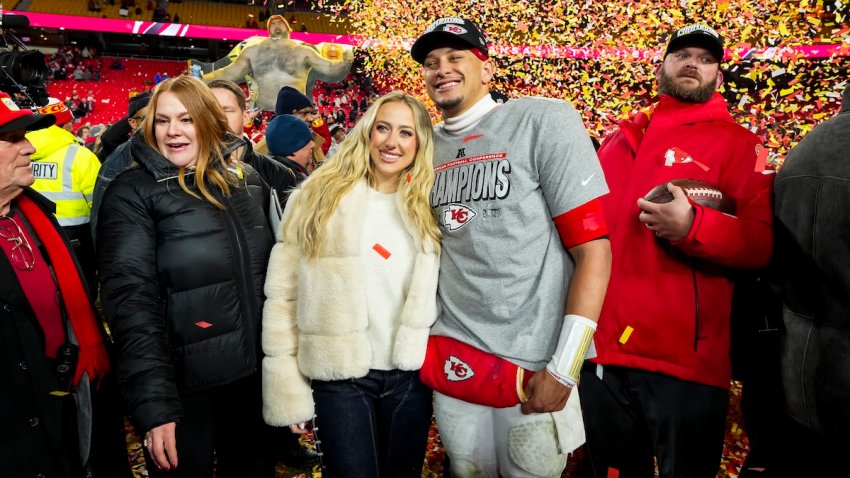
[182,283]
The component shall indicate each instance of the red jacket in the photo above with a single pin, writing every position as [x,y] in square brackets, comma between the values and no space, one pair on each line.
[675,298]
[320,127]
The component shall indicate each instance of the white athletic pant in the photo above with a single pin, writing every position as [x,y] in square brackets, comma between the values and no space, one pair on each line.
[490,442]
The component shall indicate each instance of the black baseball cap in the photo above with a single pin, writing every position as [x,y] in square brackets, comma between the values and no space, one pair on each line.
[696,35]
[138,101]
[449,30]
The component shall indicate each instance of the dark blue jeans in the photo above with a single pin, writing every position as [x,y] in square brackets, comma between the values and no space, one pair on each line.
[373,426]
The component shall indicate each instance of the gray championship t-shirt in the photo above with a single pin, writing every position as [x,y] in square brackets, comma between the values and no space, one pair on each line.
[504,272]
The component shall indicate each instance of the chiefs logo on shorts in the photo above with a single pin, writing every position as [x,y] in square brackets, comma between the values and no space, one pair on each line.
[457,370]
[455,216]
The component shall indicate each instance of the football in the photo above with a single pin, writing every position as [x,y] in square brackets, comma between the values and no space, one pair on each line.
[700,192]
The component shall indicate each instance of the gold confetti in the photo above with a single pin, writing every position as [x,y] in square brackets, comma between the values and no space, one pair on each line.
[584,52]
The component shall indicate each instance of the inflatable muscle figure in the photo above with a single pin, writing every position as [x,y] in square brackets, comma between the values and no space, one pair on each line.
[267,64]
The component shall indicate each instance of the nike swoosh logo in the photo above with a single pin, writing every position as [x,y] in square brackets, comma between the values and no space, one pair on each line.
[585,181]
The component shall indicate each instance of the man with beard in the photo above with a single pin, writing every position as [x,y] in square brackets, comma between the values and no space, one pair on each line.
[279,61]
[657,392]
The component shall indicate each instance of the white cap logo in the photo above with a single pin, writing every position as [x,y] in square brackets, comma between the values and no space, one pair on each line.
[10,104]
[697,28]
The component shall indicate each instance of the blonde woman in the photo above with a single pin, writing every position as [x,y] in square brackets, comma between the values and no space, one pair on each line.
[183,244]
[351,295]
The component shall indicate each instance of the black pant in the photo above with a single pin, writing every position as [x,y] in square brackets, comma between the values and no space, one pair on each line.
[800,452]
[108,445]
[632,415]
[225,422]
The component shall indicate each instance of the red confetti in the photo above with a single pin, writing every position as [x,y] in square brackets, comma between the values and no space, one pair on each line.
[380,250]
[203,324]
[761,158]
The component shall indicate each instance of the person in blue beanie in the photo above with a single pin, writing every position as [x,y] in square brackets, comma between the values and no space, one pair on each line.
[290,142]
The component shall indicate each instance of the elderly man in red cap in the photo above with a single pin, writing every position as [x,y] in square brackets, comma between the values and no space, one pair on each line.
[50,342]
[279,61]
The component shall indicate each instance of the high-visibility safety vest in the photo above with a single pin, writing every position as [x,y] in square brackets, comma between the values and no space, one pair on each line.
[65,173]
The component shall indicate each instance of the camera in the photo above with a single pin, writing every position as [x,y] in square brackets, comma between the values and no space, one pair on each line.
[23,72]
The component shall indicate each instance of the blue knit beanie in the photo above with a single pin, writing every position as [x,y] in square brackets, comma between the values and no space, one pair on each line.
[287,134]
[290,100]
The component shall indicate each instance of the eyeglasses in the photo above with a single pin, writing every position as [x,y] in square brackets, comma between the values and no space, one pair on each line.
[22,255]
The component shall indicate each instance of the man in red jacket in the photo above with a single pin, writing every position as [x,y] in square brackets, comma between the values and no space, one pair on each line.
[658,387]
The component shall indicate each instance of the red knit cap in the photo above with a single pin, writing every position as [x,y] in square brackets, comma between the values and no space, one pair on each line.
[59,110]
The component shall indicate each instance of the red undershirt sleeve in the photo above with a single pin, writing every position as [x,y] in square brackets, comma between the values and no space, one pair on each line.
[582,224]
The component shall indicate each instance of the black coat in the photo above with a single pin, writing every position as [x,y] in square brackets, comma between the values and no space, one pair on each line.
[182,284]
[113,137]
[812,252]
[38,435]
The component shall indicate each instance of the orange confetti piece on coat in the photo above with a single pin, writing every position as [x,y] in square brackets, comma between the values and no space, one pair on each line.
[381,250]
[203,324]
[761,158]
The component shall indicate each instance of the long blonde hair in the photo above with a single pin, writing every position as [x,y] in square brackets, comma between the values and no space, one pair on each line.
[211,130]
[322,191]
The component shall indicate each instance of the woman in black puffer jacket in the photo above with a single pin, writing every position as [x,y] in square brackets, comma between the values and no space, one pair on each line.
[184,245]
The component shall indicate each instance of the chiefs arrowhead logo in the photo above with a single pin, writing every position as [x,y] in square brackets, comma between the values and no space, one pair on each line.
[455,216]
[456,29]
[675,155]
[457,370]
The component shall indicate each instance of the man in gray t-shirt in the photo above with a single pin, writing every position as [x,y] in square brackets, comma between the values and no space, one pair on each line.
[525,258]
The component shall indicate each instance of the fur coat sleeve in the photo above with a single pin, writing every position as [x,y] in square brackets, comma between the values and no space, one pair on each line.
[287,397]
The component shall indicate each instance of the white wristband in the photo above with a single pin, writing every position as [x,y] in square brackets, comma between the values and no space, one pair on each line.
[573,345]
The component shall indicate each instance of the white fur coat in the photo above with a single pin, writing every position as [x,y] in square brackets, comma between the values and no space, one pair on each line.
[315,319]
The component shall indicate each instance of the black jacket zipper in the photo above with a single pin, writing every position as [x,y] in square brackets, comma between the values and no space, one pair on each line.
[696,308]
[247,301]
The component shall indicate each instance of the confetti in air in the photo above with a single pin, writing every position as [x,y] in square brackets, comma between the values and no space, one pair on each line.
[601,56]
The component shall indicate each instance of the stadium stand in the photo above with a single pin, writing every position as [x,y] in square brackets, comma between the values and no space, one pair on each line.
[200,13]
[115,87]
